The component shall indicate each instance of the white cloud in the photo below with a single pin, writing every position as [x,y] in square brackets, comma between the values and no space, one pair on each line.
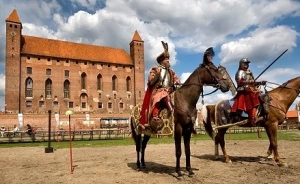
[184,76]
[242,28]
[260,46]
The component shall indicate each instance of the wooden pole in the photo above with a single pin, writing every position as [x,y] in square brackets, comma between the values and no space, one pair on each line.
[70,137]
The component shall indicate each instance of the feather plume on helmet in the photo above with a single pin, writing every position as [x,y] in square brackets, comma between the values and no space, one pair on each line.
[164,54]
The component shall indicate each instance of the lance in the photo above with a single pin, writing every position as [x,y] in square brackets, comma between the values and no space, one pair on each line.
[270,64]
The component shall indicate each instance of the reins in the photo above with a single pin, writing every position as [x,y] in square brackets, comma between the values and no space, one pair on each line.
[283,86]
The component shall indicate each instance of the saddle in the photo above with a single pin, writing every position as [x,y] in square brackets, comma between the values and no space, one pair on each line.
[224,117]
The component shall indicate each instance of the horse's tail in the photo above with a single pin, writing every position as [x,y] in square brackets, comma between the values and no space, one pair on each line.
[133,126]
[205,111]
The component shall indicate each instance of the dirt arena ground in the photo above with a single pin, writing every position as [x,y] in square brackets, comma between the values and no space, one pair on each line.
[117,164]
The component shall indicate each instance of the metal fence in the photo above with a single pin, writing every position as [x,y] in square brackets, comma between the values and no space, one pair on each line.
[63,135]
[105,134]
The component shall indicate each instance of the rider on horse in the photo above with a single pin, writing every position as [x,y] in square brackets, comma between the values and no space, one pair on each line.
[247,97]
[161,81]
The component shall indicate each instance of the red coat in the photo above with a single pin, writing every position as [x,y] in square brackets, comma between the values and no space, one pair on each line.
[245,100]
[154,94]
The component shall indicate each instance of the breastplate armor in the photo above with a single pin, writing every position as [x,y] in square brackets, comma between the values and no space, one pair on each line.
[245,76]
[165,78]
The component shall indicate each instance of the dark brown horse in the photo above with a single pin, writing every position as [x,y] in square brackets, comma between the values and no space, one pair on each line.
[282,98]
[185,99]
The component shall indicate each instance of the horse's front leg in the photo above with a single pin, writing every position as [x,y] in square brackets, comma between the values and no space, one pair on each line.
[187,148]
[272,134]
[177,138]
[220,139]
[138,149]
[144,145]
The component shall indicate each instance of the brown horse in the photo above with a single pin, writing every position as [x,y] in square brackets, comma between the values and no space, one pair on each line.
[282,98]
[185,99]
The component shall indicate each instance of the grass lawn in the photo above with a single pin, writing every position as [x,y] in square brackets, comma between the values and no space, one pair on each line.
[292,135]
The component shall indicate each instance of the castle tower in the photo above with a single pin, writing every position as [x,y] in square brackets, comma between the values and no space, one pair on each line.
[137,56]
[13,61]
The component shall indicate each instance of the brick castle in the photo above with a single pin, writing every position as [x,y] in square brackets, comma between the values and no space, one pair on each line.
[45,74]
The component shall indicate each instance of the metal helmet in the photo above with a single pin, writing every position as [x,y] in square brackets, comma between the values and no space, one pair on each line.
[243,62]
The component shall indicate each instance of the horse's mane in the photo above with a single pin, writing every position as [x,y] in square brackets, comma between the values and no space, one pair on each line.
[284,85]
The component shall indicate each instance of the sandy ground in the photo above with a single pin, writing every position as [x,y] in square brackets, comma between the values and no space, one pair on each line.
[117,164]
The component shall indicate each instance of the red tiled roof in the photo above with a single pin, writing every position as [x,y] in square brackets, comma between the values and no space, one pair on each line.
[13,17]
[77,51]
[292,114]
[136,37]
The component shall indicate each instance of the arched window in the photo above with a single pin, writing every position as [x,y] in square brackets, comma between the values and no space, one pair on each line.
[114,83]
[99,82]
[128,84]
[83,80]
[66,89]
[84,100]
[48,88]
[28,87]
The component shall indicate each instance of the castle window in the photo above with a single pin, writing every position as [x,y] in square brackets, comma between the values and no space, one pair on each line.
[48,88]
[99,95]
[48,59]
[55,104]
[41,103]
[99,82]
[66,89]
[28,103]
[83,81]
[100,105]
[115,96]
[114,83]
[140,94]
[10,25]
[48,71]
[39,58]
[128,83]
[16,26]
[28,57]
[109,105]
[29,70]
[83,105]
[28,88]
[71,104]
[85,63]
[66,73]
[121,105]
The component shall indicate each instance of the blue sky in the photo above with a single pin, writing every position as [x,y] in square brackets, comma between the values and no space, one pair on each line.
[260,30]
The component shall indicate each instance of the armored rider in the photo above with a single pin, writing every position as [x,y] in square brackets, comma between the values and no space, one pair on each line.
[247,97]
[161,83]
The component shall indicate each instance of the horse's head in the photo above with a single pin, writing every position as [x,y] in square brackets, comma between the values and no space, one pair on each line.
[216,77]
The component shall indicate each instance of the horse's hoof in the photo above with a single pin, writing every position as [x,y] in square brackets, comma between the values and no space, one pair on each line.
[190,171]
[269,158]
[228,161]
[143,166]
[179,175]
[283,165]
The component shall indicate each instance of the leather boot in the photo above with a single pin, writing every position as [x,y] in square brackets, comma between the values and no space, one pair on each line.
[252,116]
[168,104]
